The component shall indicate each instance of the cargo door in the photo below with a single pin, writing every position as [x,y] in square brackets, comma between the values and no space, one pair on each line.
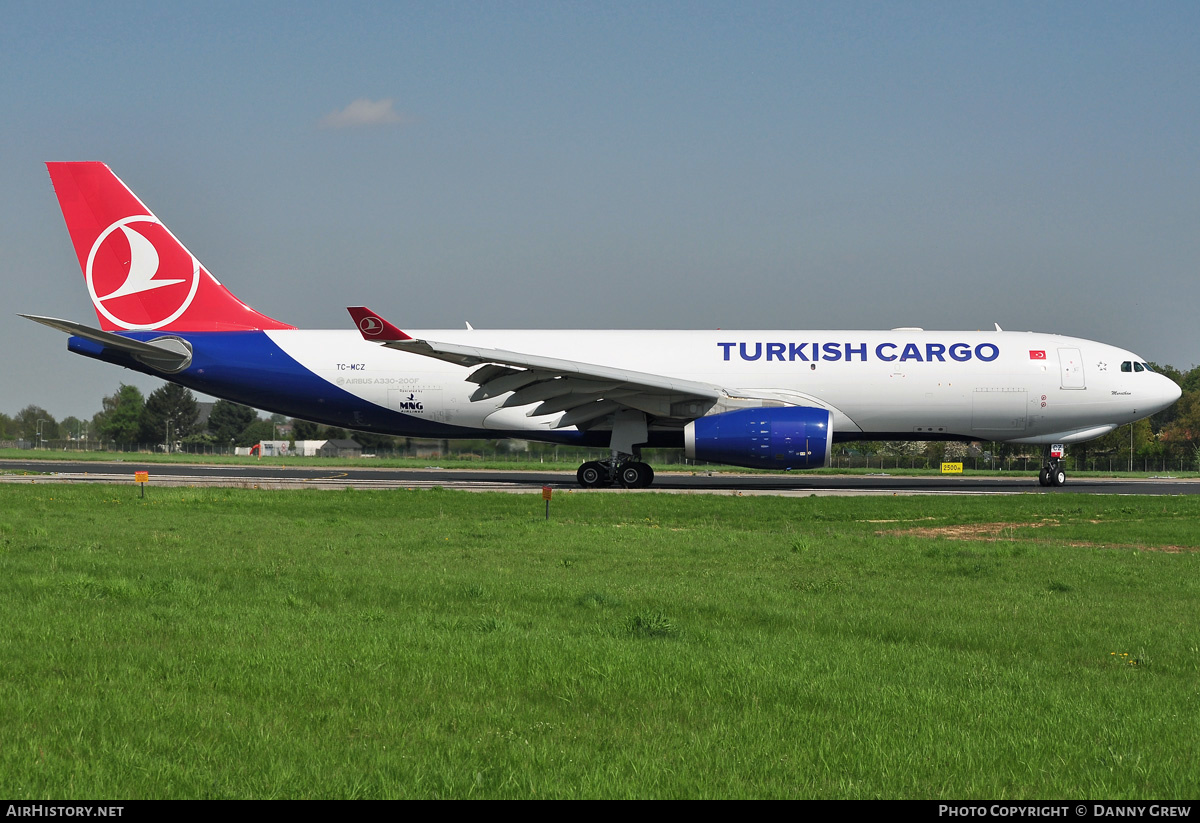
[999,410]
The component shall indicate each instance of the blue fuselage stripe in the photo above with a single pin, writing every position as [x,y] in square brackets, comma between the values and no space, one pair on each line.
[248,367]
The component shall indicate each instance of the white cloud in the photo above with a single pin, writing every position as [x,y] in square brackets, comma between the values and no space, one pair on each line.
[362,113]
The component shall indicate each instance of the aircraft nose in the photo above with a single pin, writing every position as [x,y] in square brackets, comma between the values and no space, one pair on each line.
[1169,392]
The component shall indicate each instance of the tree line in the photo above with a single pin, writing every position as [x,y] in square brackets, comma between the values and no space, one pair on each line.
[171,414]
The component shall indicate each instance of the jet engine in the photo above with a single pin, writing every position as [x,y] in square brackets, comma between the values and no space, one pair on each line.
[782,437]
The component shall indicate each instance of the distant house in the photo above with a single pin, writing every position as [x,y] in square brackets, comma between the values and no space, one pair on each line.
[308,448]
[327,448]
[340,448]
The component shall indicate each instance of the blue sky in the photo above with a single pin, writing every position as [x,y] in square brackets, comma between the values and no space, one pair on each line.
[619,165]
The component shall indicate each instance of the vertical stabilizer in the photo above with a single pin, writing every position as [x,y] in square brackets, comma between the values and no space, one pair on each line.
[138,274]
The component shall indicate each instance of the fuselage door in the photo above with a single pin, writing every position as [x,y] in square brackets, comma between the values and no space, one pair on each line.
[1071,362]
[999,409]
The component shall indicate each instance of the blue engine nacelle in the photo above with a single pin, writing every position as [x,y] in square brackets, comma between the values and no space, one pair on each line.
[787,437]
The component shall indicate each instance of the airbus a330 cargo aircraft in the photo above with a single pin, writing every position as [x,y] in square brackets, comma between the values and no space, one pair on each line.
[761,399]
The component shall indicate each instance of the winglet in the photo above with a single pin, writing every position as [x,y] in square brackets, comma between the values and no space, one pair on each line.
[374,327]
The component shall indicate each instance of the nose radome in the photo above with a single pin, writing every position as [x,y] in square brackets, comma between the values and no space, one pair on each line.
[1170,392]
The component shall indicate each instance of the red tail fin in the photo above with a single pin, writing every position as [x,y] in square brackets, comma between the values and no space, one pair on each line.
[139,276]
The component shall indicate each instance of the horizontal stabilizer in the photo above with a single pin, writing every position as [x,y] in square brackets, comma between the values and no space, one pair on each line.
[167,354]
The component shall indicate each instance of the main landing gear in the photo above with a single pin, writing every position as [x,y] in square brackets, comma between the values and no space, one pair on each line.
[1053,473]
[624,467]
[632,474]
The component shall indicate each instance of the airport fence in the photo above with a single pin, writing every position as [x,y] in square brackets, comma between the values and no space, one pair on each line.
[572,456]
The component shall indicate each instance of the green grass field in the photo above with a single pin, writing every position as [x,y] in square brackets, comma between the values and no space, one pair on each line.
[234,643]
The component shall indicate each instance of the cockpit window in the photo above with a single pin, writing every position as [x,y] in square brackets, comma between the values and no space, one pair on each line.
[1138,367]
[1126,366]
[1146,366]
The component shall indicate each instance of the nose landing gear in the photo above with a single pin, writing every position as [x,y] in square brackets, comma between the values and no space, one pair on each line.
[1053,472]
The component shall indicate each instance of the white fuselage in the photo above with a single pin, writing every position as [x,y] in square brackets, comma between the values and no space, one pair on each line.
[1023,387]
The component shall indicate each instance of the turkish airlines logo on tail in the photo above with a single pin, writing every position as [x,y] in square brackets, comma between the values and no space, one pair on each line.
[1037,355]
[139,276]
[370,325]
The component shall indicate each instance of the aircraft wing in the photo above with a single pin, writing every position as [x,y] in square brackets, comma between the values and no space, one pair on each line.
[582,391]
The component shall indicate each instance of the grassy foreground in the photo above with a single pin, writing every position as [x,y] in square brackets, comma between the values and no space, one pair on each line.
[233,643]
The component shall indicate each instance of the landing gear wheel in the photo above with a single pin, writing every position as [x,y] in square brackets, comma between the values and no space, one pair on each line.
[591,475]
[636,475]
[1053,473]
